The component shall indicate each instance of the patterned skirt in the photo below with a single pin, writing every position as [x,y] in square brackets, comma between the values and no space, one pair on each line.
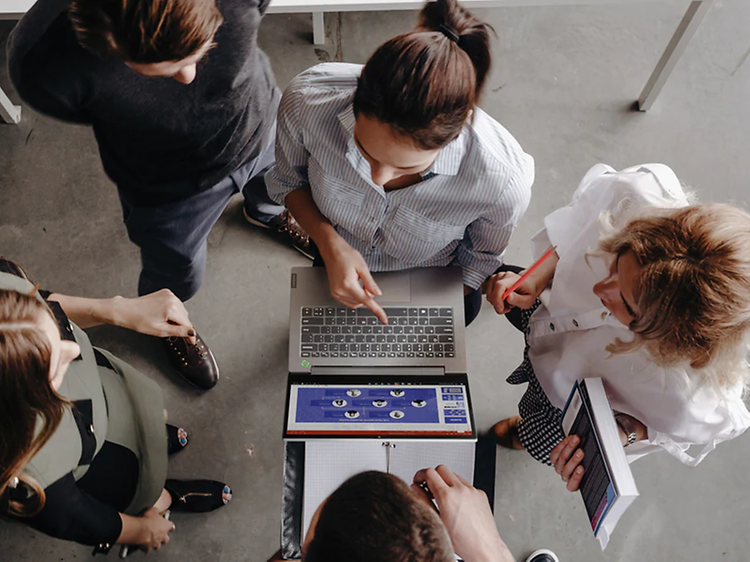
[540,429]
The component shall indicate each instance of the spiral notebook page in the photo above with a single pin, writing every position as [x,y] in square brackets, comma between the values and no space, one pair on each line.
[409,457]
[328,464]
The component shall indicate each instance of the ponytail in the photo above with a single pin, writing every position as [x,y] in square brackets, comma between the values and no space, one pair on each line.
[425,83]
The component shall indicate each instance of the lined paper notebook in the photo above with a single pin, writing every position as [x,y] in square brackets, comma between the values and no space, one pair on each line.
[330,463]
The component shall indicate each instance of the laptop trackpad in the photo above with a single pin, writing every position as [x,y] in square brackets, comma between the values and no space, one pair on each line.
[395,287]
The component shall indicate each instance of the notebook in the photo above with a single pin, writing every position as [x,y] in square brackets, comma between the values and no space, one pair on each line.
[607,486]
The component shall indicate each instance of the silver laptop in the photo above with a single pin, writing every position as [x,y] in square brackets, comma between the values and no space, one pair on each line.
[424,334]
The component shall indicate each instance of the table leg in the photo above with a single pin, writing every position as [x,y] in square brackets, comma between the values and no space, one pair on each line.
[692,19]
[319,28]
[8,112]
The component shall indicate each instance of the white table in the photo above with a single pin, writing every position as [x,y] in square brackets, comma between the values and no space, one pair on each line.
[696,12]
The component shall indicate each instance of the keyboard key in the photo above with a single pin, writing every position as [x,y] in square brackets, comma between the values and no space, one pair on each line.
[356,329]
[413,312]
[411,338]
[449,347]
[346,330]
[396,311]
[388,329]
[429,329]
[309,347]
[381,354]
[330,311]
[305,354]
[351,312]
[446,312]
[340,321]
[420,354]
[335,329]
[413,321]
[318,311]
[398,330]
[431,354]
[328,338]
[391,355]
[319,338]
[438,347]
[423,339]
[324,354]
[311,321]
[316,354]
[374,347]
[333,347]
[341,311]
[434,312]
[325,329]
[445,339]
[409,330]
[367,329]
[422,321]
[396,346]
[378,329]
[450,354]
[310,329]
[380,338]
[441,321]
[402,354]
[439,354]
[411,354]
[444,330]
[363,312]
[403,321]
[307,338]
[390,339]
[307,311]
[334,354]
[373,321]
[322,347]
[419,329]
[351,320]
[344,354]
[424,312]
[385,347]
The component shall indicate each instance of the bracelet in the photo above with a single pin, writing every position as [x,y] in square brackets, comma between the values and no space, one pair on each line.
[623,421]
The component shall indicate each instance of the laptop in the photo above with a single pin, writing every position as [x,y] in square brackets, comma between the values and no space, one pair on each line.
[424,334]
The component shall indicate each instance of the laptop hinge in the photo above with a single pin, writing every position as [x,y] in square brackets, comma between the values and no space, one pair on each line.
[420,371]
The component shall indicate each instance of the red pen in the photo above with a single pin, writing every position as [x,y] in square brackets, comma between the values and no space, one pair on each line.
[528,272]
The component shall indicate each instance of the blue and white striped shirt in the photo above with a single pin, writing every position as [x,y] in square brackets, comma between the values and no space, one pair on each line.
[463,212]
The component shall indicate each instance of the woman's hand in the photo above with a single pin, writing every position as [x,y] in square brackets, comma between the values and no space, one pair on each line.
[156,530]
[346,267]
[567,458]
[523,297]
[159,314]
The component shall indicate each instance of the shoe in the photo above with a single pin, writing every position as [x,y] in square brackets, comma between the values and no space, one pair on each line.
[177,439]
[543,555]
[197,496]
[506,433]
[287,230]
[194,361]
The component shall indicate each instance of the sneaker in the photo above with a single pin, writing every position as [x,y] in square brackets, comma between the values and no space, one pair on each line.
[194,361]
[288,230]
[543,555]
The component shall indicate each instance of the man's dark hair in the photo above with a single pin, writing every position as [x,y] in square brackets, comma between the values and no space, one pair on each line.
[375,517]
[145,31]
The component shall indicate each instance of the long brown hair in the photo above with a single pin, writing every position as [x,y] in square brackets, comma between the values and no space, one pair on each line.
[145,31]
[30,409]
[693,292]
[425,83]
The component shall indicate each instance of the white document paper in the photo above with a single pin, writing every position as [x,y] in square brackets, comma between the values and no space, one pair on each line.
[329,463]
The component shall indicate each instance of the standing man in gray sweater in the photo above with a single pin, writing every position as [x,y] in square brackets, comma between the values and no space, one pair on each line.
[183,106]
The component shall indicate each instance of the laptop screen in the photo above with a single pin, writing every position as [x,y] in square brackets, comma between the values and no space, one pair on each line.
[397,407]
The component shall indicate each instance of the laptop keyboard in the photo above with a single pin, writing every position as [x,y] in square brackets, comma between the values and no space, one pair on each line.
[341,332]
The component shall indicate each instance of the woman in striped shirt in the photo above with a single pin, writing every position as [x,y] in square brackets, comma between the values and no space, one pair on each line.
[392,165]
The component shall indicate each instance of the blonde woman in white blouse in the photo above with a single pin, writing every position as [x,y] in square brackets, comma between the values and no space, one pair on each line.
[648,292]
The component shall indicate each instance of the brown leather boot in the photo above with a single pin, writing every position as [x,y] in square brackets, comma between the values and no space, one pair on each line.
[506,433]
[194,361]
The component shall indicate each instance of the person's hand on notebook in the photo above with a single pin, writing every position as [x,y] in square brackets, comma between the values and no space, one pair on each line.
[566,457]
[350,279]
[466,514]
[523,297]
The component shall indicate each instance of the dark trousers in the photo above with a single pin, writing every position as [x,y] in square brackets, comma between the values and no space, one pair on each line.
[173,237]
[472,300]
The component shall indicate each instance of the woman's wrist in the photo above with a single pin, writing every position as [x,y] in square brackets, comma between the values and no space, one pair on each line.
[109,311]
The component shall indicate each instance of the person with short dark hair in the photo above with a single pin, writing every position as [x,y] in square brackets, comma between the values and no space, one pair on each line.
[393,166]
[376,517]
[183,104]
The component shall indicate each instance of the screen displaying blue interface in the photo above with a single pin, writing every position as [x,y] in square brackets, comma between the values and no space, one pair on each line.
[382,409]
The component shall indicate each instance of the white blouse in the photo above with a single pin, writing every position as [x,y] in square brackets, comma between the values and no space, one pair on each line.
[569,333]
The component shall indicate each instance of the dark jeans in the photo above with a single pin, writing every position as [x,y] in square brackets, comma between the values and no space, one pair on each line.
[472,300]
[172,237]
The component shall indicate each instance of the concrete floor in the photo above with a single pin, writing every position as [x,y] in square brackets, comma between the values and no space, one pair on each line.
[563,82]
